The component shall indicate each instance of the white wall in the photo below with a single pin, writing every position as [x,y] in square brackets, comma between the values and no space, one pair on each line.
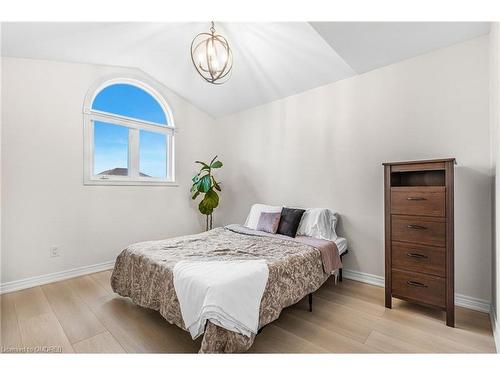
[324,147]
[495,130]
[44,201]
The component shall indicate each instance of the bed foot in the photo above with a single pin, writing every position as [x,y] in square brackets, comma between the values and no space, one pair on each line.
[310,302]
[340,274]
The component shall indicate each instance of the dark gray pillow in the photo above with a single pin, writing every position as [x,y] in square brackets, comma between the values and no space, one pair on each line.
[289,221]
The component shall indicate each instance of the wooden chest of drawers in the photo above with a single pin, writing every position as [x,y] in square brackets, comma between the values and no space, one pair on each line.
[419,237]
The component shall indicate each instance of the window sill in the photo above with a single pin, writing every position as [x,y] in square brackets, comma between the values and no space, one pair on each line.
[129,183]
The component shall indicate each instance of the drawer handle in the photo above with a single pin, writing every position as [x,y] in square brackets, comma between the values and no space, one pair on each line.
[416,199]
[414,226]
[417,284]
[415,255]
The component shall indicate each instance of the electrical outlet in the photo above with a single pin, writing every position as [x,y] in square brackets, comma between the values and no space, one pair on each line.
[54,251]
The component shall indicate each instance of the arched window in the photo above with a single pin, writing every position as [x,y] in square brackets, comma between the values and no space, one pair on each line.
[129,135]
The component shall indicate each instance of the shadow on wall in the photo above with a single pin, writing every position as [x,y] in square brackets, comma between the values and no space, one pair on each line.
[473,228]
[370,240]
[239,191]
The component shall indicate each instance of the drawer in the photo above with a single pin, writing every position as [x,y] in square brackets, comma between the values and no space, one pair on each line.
[418,258]
[419,229]
[425,201]
[418,287]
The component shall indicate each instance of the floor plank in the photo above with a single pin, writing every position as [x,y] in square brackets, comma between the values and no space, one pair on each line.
[76,318]
[353,303]
[470,320]
[103,278]
[274,339]
[329,340]
[434,343]
[141,330]
[30,303]
[361,291]
[337,318]
[102,343]
[479,339]
[44,332]
[390,344]
[88,289]
[10,335]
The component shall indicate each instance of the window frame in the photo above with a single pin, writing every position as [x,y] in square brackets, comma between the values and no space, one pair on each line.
[134,126]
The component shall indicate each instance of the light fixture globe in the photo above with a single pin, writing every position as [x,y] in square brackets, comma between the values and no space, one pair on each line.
[212,57]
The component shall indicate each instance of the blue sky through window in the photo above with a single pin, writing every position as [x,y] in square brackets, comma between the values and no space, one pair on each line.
[131,101]
[110,148]
[153,154]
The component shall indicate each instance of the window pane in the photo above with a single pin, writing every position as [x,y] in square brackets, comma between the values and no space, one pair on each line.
[131,101]
[152,154]
[110,149]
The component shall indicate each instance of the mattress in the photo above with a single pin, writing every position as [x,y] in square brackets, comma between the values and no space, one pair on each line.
[341,243]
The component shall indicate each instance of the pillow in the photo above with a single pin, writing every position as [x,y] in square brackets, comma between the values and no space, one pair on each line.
[269,221]
[289,221]
[254,215]
[319,223]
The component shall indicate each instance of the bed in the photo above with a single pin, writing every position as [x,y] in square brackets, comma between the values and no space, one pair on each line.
[297,267]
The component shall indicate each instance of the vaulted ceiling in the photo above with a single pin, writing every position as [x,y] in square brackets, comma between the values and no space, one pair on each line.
[271,60]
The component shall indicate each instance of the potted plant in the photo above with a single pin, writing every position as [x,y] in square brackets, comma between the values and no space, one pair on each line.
[204,183]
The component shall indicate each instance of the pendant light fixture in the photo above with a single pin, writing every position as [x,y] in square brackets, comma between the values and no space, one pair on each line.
[212,57]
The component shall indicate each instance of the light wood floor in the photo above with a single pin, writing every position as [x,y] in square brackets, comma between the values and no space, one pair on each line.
[84,315]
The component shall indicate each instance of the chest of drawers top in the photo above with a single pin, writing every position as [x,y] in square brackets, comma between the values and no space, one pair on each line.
[419,238]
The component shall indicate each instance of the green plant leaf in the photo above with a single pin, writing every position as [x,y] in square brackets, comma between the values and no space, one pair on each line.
[202,163]
[213,197]
[209,202]
[196,178]
[216,164]
[215,158]
[205,184]
[204,209]
[195,195]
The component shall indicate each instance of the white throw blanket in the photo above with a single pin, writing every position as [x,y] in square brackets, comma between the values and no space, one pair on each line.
[228,293]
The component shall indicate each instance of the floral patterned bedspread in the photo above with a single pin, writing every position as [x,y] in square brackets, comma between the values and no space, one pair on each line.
[144,272]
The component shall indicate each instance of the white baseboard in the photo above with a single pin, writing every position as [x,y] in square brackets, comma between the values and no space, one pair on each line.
[31,282]
[472,303]
[460,299]
[366,278]
[495,327]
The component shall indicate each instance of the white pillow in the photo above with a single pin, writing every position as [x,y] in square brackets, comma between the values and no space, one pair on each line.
[319,223]
[254,215]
